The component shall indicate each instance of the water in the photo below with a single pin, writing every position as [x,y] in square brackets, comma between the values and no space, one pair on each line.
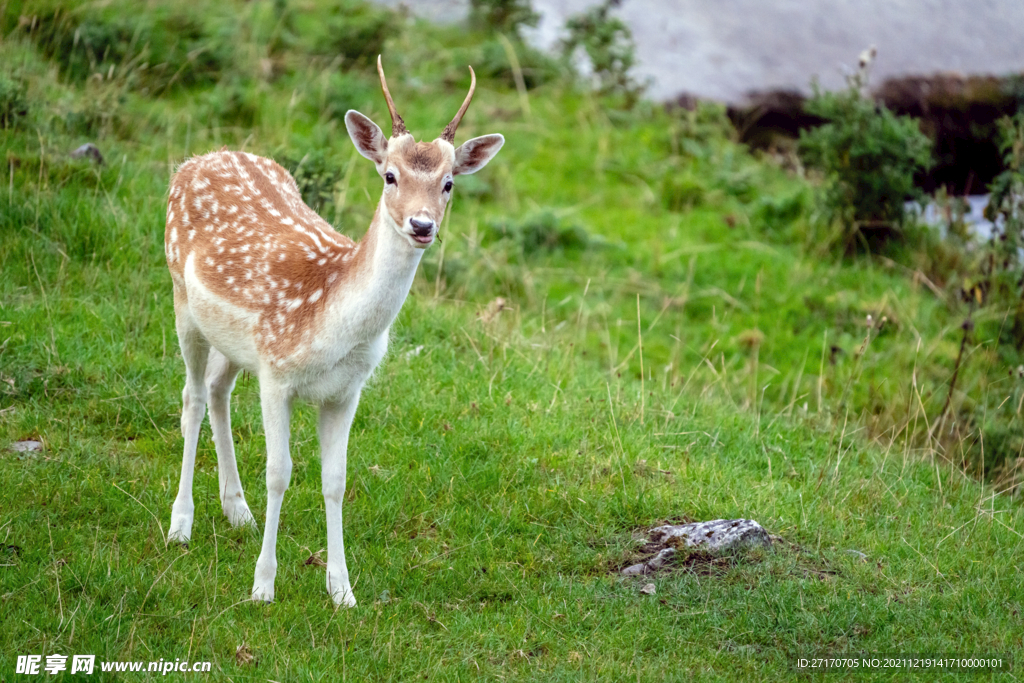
[977,224]
[723,49]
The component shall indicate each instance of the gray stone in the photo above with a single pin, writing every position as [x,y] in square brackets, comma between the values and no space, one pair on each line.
[88,150]
[652,565]
[715,536]
[718,535]
[26,446]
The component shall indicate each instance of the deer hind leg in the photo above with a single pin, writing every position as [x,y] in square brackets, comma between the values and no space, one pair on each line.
[276,403]
[194,350]
[335,423]
[220,380]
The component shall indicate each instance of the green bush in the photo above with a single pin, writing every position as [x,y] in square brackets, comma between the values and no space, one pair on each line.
[608,42]
[1000,280]
[82,45]
[13,101]
[348,90]
[682,191]
[503,16]
[536,67]
[990,279]
[163,48]
[868,157]
[776,211]
[356,30]
[540,231]
[94,116]
[317,176]
[235,101]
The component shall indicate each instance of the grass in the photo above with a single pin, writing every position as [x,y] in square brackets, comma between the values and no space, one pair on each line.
[670,349]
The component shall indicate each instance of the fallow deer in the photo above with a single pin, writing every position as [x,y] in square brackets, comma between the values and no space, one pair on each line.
[262,283]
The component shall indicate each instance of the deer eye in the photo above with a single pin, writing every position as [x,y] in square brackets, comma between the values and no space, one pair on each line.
[448,186]
[389,178]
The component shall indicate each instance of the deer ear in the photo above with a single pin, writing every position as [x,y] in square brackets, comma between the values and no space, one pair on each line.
[366,136]
[472,155]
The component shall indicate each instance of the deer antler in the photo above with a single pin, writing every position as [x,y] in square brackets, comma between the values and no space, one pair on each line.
[449,130]
[397,124]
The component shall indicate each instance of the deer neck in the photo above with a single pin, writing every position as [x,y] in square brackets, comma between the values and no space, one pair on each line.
[365,307]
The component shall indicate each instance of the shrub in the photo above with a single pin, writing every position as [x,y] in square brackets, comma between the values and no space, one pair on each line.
[344,91]
[776,211]
[503,16]
[13,101]
[356,30]
[321,179]
[992,302]
[868,156]
[608,43]
[97,114]
[536,67]
[541,230]
[682,191]
[235,101]
[317,176]
[81,46]
[1000,280]
[164,48]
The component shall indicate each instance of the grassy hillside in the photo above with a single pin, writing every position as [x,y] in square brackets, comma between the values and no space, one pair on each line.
[625,323]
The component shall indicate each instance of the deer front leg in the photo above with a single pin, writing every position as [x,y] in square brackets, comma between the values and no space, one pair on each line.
[335,423]
[194,350]
[276,404]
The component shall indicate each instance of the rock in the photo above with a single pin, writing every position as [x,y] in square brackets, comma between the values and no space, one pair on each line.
[648,589]
[652,565]
[88,150]
[719,535]
[26,446]
[715,536]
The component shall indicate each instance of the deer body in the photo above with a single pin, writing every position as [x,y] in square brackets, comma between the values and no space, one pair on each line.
[262,283]
[285,294]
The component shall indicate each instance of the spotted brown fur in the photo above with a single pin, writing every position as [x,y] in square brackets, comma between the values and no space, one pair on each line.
[255,244]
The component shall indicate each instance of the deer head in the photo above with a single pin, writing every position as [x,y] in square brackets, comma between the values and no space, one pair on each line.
[418,176]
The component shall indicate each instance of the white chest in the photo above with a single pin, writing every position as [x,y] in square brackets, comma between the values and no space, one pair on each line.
[344,377]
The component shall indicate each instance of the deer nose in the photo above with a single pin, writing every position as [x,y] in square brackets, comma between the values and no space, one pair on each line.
[421,228]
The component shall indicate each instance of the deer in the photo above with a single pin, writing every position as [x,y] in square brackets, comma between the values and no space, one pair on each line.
[263,284]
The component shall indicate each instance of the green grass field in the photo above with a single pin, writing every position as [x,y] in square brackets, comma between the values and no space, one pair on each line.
[669,346]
